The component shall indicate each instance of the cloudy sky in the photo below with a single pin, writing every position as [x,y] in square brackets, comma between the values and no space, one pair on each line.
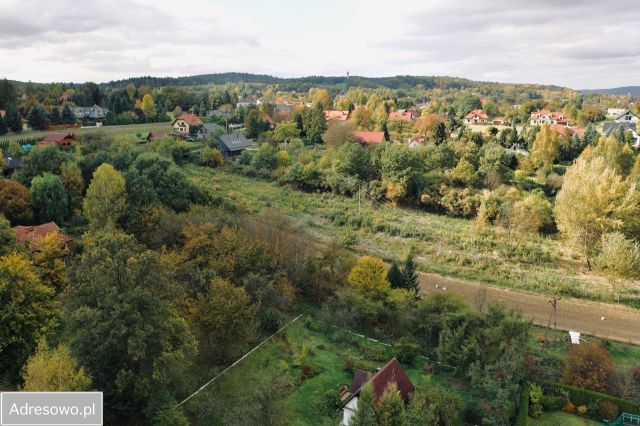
[573,43]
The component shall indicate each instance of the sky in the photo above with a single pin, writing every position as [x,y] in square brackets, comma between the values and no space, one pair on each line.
[580,44]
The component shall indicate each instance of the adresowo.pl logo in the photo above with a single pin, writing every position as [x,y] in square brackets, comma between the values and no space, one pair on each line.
[51,408]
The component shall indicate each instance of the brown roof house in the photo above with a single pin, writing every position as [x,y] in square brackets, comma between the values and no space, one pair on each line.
[477,116]
[187,123]
[63,140]
[30,235]
[391,373]
[369,137]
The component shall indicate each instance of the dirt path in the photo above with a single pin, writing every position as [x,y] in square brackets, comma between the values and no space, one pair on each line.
[620,323]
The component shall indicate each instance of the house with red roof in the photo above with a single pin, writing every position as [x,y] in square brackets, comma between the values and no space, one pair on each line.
[336,115]
[30,235]
[370,137]
[63,140]
[550,117]
[477,116]
[186,124]
[391,374]
[402,115]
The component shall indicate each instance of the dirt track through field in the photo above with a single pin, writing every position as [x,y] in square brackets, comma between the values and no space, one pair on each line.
[620,323]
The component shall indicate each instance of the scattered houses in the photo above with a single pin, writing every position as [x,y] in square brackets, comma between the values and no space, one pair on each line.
[208,129]
[627,117]
[10,164]
[376,137]
[92,113]
[29,236]
[232,144]
[550,117]
[336,115]
[391,373]
[611,127]
[186,124]
[63,140]
[477,116]
[402,115]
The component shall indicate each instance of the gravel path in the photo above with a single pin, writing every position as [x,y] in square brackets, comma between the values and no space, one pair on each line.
[620,323]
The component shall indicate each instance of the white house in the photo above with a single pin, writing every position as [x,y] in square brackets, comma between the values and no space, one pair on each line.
[550,117]
[477,116]
[184,124]
[627,117]
[616,112]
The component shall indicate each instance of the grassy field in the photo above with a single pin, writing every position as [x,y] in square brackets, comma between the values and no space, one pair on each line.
[558,418]
[443,245]
[304,345]
[131,129]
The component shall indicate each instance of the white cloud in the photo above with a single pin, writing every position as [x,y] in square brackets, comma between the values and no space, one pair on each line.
[591,43]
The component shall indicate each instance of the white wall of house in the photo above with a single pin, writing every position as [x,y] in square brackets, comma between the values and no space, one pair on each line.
[627,117]
[349,410]
[181,126]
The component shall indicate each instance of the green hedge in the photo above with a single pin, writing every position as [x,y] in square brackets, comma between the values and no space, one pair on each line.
[523,410]
[584,397]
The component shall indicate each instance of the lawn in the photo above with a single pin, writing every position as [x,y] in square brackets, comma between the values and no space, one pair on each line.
[558,418]
[306,344]
[443,245]
[128,129]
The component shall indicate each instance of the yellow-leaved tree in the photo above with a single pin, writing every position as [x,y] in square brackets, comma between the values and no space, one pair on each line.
[54,370]
[106,197]
[369,276]
[594,200]
[545,147]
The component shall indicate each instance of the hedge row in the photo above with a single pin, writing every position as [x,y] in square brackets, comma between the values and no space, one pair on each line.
[523,410]
[584,397]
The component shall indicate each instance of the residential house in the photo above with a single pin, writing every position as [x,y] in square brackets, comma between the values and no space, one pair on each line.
[370,137]
[186,124]
[29,236]
[477,116]
[568,131]
[157,134]
[208,129]
[10,163]
[336,115]
[247,102]
[402,115]
[63,140]
[64,98]
[627,117]
[499,121]
[416,142]
[550,117]
[92,113]
[610,127]
[616,112]
[517,149]
[391,373]
[232,144]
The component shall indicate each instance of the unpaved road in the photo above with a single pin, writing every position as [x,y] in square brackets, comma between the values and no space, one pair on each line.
[620,323]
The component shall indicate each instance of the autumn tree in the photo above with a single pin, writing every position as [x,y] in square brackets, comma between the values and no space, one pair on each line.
[106,197]
[285,132]
[15,202]
[73,182]
[390,407]
[352,159]
[594,200]
[222,321]
[49,261]
[545,147]
[49,198]
[27,310]
[8,242]
[148,106]
[369,276]
[211,157]
[619,258]
[322,98]
[365,414]
[588,366]
[54,370]
[339,134]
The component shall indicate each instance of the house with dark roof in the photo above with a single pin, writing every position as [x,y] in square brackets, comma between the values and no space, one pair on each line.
[186,124]
[207,130]
[9,164]
[92,113]
[157,134]
[30,235]
[63,140]
[611,127]
[403,115]
[232,144]
[391,373]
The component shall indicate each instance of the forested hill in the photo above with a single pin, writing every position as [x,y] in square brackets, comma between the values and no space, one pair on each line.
[621,91]
[304,83]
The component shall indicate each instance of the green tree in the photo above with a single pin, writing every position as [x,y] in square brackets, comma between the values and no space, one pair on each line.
[49,198]
[314,124]
[410,280]
[54,370]
[27,310]
[40,161]
[37,118]
[435,406]
[619,259]
[254,124]
[394,276]
[67,116]
[352,159]
[285,132]
[494,165]
[71,176]
[106,197]
[8,242]
[222,321]
[3,126]
[211,157]
[390,408]
[124,325]
[365,414]
[12,118]
[8,93]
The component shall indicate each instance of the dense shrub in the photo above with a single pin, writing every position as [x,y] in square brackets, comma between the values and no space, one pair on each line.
[607,410]
[406,350]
